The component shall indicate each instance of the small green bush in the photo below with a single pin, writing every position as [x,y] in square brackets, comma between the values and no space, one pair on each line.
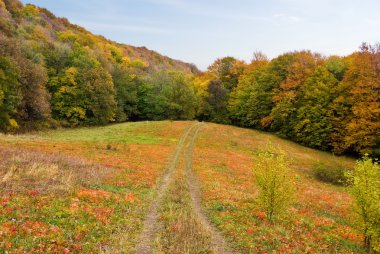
[275,182]
[365,188]
[334,173]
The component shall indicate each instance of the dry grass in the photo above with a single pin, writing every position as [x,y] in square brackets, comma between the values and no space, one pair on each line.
[183,227]
[24,169]
[182,230]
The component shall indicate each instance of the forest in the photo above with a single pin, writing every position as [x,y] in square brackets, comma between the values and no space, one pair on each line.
[55,74]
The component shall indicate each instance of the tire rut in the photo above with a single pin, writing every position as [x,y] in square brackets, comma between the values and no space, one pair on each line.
[219,245]
[150,222]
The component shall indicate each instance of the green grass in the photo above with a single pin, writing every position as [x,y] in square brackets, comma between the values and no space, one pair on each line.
[127,133]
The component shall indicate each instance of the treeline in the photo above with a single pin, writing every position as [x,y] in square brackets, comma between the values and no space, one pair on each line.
[329,103]
[53,73]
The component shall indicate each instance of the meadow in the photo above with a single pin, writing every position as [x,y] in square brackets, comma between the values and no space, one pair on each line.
[90,190]
[80,191]
[320,221]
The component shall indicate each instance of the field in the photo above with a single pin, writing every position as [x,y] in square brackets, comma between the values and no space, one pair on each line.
[319,222]
[162,187]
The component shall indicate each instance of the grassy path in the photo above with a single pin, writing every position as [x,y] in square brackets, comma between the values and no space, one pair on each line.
[218,245]
[176,222]
[151,219]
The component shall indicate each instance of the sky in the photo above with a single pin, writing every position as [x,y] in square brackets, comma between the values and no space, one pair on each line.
[200,31]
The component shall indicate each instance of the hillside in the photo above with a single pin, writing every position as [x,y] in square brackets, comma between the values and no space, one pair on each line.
[54,73]
[40,25]
[106,189]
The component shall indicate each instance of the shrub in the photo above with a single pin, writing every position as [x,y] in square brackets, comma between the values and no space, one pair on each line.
[365,188]
[274,182]
[334,173]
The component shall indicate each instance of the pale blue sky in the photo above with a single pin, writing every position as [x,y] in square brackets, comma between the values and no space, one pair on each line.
[199,31]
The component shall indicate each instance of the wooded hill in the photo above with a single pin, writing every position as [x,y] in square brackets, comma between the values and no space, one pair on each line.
[57,73]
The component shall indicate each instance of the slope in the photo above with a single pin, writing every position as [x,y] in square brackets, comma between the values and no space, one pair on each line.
[54,73]
[40,24]
[90,190]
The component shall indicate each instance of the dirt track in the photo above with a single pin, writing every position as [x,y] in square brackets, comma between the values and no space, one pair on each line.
[152,225]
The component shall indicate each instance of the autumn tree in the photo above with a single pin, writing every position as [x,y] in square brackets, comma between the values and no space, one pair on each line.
[67,102]
[34,98]
[85,97]
[35,103]
[363,81]
[201,83]
[300,67]
[227,70]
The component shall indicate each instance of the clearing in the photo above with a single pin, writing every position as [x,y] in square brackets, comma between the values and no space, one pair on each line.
[162,187]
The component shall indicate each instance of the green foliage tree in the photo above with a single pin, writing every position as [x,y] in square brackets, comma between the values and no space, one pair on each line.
[86,97]
[9,93]
[67,99]
[180,97]
[126,87]
[337,66]
[251,100]
[365,188]
[313,124]
[99,93]
[151,102]
[174,95]
[215,108]
[274,182]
